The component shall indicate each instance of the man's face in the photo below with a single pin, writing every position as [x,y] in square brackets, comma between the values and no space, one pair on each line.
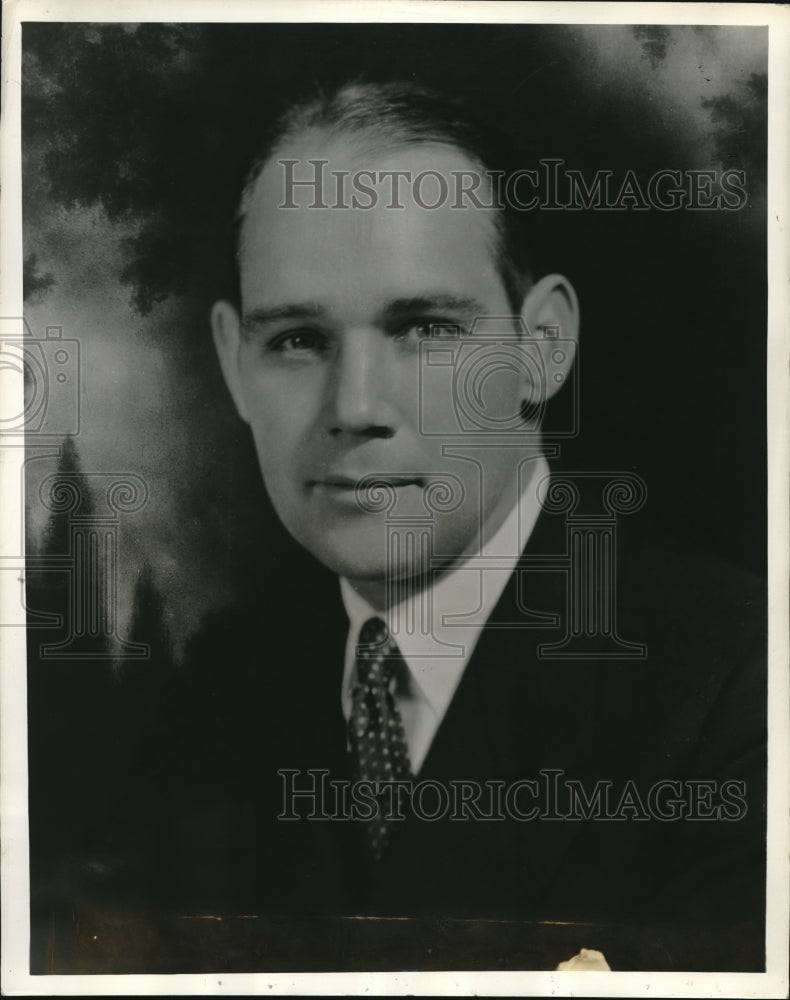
[335,304]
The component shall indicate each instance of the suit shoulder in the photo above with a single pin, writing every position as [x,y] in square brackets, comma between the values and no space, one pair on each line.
[695,597]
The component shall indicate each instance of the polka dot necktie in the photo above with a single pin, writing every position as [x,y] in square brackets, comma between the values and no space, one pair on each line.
[378,742]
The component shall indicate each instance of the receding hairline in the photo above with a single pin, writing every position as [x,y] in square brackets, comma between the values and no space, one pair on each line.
[364,141]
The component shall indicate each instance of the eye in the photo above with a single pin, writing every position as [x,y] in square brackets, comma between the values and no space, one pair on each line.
[425,327]
[302,342]
[413,331]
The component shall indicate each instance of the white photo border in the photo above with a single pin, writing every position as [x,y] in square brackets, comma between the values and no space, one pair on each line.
[16,978]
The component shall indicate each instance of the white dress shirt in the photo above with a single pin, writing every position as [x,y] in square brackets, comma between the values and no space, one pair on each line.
[443,629]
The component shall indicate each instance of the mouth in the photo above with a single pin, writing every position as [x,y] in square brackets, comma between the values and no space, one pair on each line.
[370,480]
[354,488]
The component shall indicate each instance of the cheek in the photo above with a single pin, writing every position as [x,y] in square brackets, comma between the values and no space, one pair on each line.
[438,410]
[278,454]
[280,418]
[481,391]
[489,394]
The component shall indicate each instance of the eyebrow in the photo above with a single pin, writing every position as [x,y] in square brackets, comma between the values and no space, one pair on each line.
[439,302]
[397,308]
[297,310]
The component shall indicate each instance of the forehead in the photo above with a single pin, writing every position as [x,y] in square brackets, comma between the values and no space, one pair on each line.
[347,254]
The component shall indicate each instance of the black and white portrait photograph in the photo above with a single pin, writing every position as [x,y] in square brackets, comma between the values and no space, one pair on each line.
[395,457]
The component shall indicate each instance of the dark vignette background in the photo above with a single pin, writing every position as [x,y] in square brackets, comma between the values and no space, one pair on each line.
[134,143]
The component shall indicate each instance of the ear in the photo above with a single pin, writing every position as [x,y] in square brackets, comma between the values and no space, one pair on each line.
[226,330]
[551,315]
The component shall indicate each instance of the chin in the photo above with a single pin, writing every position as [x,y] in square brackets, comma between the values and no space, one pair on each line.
[364,563]
[353,568]
[349,558]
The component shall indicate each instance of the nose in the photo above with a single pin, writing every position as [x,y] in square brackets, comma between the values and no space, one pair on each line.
[360,387]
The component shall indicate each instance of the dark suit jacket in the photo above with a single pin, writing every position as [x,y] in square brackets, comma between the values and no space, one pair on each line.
[262,693]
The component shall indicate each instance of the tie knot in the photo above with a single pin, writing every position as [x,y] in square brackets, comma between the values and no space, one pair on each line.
[374,634]
[377,653]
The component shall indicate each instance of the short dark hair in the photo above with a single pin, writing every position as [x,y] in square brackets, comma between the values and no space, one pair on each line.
[404,113]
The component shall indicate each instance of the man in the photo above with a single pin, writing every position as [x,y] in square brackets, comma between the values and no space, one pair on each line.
[430,659]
